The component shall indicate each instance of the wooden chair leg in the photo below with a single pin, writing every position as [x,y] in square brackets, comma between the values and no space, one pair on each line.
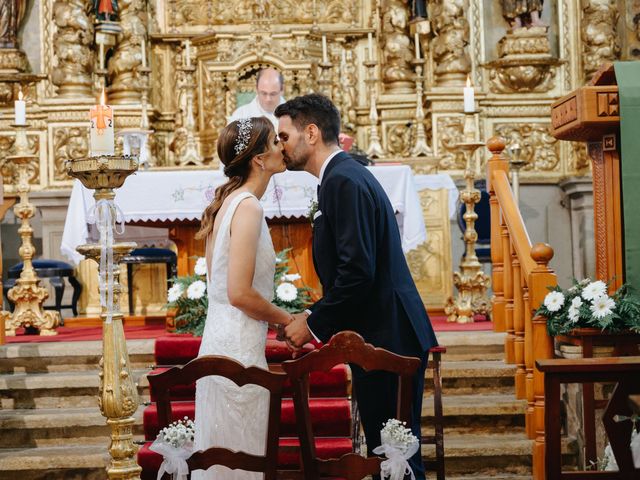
[438,415]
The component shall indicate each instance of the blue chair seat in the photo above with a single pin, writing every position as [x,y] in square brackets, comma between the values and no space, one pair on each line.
[54,271]
[149,256]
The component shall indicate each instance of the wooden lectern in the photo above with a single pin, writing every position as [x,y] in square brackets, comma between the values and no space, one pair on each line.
[592,114]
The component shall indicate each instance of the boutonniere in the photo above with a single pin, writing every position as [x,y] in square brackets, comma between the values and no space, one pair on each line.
[313,208]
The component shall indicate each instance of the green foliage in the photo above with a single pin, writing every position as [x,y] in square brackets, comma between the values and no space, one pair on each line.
[298,300]
[586,304]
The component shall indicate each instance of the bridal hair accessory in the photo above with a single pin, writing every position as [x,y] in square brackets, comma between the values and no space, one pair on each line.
[398,444]
[244,135]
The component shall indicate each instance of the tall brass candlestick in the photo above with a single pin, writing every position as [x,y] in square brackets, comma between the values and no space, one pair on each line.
[27,294]
[375,149]
[421,147]
[118,399]
[190,155]
[471,281]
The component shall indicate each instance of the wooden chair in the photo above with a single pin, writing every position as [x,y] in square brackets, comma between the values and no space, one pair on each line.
[437,439]
[344,347]
[236,372]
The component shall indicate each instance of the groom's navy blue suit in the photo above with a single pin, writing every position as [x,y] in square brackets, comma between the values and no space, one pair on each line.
[367,287]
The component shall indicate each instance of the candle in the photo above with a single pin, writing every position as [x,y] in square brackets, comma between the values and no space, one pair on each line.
[20,110]
[370,36]
[143,52]
[324,49]
[469,103]
[187,52]
[417,41]
[101,137]
[344,57]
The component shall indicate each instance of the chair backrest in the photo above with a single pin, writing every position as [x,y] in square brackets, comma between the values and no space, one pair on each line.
[237,373]
[344,347]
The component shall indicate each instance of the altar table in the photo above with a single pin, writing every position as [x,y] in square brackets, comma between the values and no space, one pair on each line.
[177,198]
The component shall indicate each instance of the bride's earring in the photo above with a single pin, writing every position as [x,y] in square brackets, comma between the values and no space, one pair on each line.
[262,166]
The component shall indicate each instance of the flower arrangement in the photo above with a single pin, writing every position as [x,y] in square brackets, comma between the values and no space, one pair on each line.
[188,295]
[175,444]
[398,444]
[587,304]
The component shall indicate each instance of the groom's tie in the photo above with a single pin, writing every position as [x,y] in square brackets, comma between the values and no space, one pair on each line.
[318,193]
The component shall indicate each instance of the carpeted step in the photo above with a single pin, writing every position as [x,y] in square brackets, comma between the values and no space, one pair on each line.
[288,456]
[330,417]
[178,349]
[334,383]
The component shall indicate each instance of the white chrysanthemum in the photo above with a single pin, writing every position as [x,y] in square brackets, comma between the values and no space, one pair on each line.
[196,290]
[576,302]
[594,290]
[291,277]
[201,266]
[574,314]
[287,292]
[280,260]
[602,306]
[554,301]
[174,293]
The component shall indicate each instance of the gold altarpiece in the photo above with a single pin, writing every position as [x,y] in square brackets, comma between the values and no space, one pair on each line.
[203,55]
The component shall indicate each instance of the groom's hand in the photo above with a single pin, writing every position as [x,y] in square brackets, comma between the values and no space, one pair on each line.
[297,331]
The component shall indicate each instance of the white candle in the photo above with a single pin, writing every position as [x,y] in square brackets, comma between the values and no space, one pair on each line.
[101,138]
[370,35]
[20,110]
[143,52]
[187,52]
[469,101]
[417,42]
[324,49]
[344,57]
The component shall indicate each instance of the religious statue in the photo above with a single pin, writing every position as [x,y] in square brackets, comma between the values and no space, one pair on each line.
[11,15]
[523,13]
[397,49]
[106,10]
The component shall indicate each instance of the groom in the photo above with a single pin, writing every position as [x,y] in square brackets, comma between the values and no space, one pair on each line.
[358,256]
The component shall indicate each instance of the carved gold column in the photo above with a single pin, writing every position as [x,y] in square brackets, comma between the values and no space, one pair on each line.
[471,281]
[449,45]
[126,62]
[118,399]
[375,149]
[72,48]
[27,294]
[190,154]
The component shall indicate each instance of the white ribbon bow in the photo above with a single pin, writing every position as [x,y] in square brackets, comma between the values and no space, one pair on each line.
[175,459]
[396,465]
[102,215]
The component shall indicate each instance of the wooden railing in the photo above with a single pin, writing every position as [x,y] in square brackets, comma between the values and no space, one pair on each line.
[520,277]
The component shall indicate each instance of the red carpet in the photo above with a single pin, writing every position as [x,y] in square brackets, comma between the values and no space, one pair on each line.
[77,334]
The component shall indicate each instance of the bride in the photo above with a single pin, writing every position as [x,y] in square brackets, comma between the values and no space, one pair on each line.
[240,269]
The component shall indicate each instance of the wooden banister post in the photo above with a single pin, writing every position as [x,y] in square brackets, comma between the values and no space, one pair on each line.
[540,279]
[497,162]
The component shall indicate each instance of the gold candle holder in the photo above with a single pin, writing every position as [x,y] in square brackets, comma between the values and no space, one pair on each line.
[190,155]
[375,149]
[421,147]
[471,281]
[118,398]
[27,294]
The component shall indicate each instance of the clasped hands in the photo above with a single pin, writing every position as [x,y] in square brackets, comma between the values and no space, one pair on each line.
[295,333]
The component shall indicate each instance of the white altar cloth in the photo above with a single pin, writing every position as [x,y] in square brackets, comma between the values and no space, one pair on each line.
[183,195]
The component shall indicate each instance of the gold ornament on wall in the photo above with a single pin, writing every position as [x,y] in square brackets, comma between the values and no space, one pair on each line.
[599,34]
[540,150]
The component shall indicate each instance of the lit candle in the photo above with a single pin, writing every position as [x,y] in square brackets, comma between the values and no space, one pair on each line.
[187,52]
[143,52]
[20,110]
[469,102]
[324,49]
[101,138]
[417,42]
[370,35]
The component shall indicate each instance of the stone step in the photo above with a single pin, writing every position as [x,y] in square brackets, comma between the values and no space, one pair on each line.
[487,454]
[54,427]
[474,376]
[67,356]
[471,414]
[483,345]
[69,462]
[57,389]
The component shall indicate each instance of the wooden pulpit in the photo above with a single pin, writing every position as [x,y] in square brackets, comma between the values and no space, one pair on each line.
[592,114]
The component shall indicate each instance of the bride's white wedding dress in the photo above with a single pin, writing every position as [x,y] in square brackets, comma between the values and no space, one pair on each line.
[227,415]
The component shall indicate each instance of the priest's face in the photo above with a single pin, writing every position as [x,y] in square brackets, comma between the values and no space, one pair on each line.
[269,91]
[295,149]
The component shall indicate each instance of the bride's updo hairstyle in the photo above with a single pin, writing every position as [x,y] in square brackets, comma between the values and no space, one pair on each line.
[238,143]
